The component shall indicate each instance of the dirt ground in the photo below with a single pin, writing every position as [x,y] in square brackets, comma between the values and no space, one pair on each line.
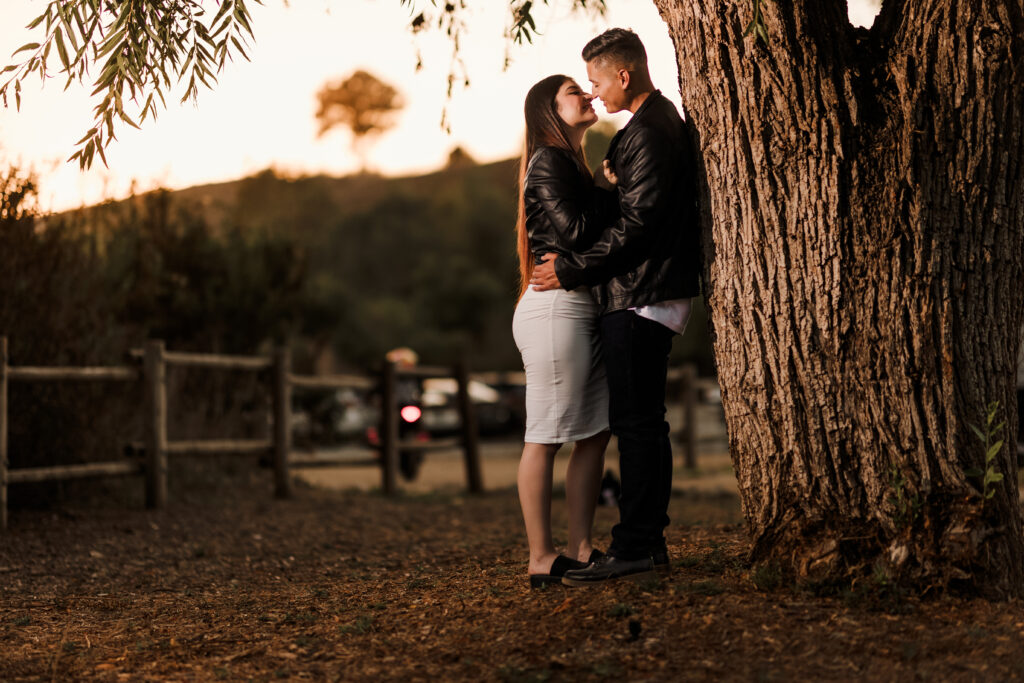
[344,584]
[445,470]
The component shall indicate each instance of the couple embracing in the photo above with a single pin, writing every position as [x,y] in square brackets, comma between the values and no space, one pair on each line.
[608,268]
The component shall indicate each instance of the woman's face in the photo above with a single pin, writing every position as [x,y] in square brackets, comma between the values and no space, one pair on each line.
[573,106]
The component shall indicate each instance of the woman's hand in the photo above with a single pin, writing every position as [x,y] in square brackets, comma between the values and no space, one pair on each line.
[609,174]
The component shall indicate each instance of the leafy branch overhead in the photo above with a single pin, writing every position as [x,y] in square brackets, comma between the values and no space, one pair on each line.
[449,18]
[139,49]
[524,27]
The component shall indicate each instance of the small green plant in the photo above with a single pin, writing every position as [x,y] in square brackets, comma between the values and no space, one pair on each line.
[607,668]
[767,577]
[907,507]
[23,620]
[990,475]
[417,583]
[880,576]
[620,610]
[509,673]
[361,625]
[879,592]
[689,561]
[757,25]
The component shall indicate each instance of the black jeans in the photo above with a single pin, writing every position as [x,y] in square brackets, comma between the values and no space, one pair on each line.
[636,357]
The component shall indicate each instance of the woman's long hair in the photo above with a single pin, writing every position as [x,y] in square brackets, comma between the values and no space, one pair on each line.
[544,127]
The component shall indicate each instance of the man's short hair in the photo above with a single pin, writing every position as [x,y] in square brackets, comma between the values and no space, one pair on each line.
[619,47]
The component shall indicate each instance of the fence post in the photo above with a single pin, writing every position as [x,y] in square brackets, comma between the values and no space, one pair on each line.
[155,376]
[3,433]
[688,394]
[282,422]
[470,431]
[388,428]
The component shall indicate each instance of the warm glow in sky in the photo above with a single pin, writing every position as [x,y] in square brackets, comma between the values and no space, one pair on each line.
[261,112]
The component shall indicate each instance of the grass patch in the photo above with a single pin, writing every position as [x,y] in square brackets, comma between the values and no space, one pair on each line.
[300,618]
[362,625]
[767,577]
[513,674]
[418,583]
[705,587]
[606,668]
[620,610]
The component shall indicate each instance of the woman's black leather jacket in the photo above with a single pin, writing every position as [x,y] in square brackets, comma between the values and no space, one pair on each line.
[652,252]
[565,211]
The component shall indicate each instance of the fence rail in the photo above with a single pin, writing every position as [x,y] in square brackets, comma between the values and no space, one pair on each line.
[151,369]
[80,471]
[106,374]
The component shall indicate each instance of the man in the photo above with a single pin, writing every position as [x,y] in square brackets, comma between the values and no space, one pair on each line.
[649,264]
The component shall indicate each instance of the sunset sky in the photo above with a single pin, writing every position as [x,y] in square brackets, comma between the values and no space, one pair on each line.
[261,114]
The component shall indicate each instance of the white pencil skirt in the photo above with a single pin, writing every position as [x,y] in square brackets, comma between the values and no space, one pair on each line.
[566,390]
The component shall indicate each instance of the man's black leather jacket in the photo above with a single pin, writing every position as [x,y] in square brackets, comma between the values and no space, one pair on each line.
[565,212]
[652,252]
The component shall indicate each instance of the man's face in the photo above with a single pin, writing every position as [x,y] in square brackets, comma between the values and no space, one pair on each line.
[608,84]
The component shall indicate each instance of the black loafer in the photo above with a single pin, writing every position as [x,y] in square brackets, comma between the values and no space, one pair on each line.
[559,567]
[595,555]
[609,568]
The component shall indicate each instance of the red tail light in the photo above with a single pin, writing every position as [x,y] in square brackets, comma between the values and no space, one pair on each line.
[411,413]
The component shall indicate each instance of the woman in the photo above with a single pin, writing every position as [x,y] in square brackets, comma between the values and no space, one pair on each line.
[560,211]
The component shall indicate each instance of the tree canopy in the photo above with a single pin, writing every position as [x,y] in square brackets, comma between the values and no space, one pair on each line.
[141,51]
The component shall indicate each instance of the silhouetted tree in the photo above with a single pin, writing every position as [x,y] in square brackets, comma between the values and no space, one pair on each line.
[460,158]
[362,103]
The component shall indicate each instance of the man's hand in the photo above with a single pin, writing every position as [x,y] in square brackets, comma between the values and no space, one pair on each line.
[544,277]
[609,174]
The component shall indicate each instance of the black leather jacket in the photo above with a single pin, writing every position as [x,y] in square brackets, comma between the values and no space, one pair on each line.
[652,252]
[565,211]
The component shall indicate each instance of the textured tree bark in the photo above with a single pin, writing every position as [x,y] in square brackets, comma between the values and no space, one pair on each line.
[864,233]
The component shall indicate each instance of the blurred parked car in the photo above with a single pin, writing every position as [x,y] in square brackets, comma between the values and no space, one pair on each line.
[328,418]
[353,413]
[441,409]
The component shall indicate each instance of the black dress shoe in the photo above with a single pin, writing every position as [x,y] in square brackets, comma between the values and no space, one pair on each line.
[609,568]
[595,555]
[559,567]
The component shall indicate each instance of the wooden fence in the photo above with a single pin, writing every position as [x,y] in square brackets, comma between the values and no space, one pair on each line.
[151,368]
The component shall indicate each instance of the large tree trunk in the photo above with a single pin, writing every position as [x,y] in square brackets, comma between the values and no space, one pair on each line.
[864,229]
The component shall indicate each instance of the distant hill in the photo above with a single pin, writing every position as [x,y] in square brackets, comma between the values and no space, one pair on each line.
[426,261]
[351,194]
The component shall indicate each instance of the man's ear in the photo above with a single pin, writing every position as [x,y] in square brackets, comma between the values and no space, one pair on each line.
[623,76]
